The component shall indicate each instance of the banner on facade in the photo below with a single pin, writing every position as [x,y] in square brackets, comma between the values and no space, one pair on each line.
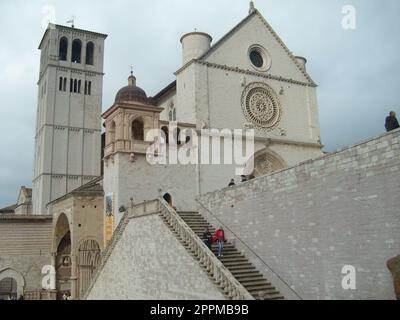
[109,219]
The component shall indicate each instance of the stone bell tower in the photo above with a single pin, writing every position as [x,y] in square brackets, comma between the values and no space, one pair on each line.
[68,120]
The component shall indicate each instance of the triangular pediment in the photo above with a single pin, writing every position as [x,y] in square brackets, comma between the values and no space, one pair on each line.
[233,50]
[25,196]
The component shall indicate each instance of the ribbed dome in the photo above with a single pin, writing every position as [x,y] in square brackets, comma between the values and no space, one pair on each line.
[131,93]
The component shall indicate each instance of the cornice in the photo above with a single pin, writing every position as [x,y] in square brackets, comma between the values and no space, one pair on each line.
[247,72]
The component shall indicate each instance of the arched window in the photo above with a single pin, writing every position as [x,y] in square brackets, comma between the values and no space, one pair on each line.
[165,134]
[90,88]
[90,53]
[112,132]
[65,85]
[71,85]
[177,137]
[172,112]
[8,289]
[76,51]
[79,86]
[87,261]
[60,88]
[75,86]
[138,130]
[63,49]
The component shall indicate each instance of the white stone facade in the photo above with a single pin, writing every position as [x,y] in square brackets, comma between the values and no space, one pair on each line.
[216,88]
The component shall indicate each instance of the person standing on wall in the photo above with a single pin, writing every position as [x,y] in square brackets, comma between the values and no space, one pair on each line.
[391,122]
[219,237]
[232,183]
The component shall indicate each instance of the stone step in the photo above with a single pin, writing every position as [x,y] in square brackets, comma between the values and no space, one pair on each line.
[259,287]
[250,278]
[236,269]
[234,260]
[246,273]
[237,264]
[260,282]
[275,296]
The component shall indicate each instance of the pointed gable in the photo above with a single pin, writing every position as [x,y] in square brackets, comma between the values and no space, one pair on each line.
[233,49]
[25,196]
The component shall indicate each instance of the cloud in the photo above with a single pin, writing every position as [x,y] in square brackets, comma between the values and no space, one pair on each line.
[357,71]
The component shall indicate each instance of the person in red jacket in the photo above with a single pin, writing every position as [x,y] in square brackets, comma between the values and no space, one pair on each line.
[220,239]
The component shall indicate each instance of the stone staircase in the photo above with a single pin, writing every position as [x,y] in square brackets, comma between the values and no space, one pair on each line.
[240,267]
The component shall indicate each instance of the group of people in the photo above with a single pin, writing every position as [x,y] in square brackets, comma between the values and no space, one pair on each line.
[244,179]
[219,238]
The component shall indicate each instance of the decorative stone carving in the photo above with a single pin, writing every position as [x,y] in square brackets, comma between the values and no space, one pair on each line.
[265,164]
[394,267]
[261,106]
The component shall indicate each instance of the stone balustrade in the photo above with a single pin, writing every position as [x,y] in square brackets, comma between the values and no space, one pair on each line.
[214,267]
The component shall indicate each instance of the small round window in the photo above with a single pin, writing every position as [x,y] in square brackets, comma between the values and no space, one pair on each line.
[259,58]
[256,58]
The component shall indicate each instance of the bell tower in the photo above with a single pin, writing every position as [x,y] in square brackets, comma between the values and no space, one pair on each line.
[68,120]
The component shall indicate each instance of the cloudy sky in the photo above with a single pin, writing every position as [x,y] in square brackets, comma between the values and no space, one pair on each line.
[357,70]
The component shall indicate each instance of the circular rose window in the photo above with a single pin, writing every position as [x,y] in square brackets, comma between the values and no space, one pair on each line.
[261,106]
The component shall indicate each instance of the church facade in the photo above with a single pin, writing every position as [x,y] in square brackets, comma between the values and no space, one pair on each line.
[248,81]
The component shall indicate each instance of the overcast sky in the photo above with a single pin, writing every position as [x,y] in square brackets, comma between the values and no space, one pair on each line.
[357,70]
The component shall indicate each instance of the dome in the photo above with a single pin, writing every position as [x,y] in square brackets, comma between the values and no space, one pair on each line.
[131,93]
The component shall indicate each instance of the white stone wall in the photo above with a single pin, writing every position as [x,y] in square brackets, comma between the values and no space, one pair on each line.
[145,182]
[304,224]
[25,248]
[149,263]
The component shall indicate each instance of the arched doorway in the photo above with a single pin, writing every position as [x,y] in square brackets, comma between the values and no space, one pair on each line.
[63,261]
[12,284]
[167,197]
[88,260]
[8,289]
[64,266]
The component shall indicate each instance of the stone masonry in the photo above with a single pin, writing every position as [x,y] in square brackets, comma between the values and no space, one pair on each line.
[304,224]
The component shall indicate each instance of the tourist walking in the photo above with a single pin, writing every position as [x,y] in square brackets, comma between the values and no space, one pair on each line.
[220,239]
[391,122]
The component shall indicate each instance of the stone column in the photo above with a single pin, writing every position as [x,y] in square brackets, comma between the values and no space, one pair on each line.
[74,278]
[54,271]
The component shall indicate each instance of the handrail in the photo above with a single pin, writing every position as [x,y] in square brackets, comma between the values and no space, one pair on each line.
[219,273]
[251,250]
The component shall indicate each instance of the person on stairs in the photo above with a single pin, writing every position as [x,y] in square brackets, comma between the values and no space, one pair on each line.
[219,237]
[207,238]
